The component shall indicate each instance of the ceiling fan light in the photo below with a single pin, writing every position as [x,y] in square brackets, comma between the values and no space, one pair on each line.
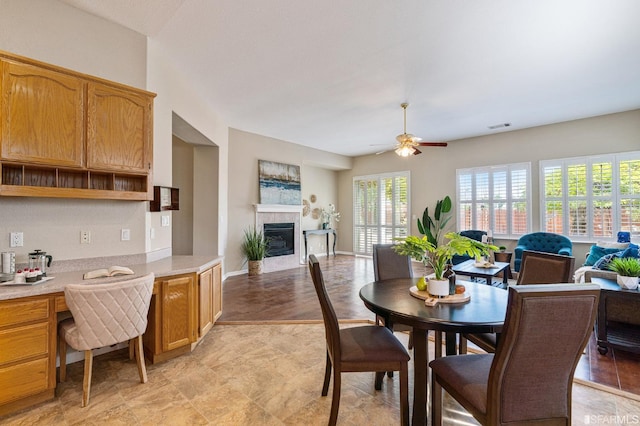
[405,151]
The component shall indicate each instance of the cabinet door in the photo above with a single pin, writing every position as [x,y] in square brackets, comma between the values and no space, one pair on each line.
[178,312]
[118,129]
[206,302]
[217,291]
[42,116]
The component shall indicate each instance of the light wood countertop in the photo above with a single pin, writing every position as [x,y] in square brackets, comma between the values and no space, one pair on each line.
[169,266]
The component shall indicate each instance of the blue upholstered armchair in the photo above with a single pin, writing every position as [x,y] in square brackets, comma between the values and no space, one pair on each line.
[474,234]
[545,242]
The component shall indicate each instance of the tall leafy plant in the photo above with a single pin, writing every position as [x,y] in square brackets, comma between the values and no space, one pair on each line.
[254,244]
[433,227]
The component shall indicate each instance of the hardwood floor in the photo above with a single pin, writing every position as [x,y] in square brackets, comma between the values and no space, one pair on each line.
[288,296]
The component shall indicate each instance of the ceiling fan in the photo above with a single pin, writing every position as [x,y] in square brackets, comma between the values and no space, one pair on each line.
[407,143]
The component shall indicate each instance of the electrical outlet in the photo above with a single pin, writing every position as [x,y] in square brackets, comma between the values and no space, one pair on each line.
[85,237]
[17,239]
[125,235]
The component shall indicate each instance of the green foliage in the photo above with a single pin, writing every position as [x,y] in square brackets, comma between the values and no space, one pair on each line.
[254,245]
[432,228]
[625,266]
[437,257]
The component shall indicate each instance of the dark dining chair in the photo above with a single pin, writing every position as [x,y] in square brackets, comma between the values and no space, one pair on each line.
[529,378]
[537,268]
[387,265]
[357,349]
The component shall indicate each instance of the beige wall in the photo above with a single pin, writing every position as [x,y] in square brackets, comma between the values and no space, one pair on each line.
[53,32]
[433,173]
[316,173]
[182,226]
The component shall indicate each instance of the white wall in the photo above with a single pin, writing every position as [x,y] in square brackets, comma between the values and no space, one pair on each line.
[433,173]
[53,32]
[182,219]
[316,173]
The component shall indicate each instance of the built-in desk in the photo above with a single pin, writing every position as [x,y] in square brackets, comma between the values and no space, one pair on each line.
[186,301]
[320,232]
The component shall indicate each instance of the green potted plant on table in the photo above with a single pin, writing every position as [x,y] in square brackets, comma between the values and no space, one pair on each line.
[437,257]
[432,228]
[628,270]
[254,248]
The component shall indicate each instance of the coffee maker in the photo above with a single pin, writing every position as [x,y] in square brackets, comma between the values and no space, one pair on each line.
[40,259]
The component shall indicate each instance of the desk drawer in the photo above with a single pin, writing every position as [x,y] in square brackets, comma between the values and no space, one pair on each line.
[24,379]
[25,342]
[17,312]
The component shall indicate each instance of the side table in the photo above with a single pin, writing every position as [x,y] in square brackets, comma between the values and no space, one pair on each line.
[504,256]
[320,232]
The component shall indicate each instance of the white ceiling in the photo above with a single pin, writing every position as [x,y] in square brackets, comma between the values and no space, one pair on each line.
[331,74]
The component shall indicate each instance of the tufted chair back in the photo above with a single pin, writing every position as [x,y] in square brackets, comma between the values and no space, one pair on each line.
[103,315]
[546,242]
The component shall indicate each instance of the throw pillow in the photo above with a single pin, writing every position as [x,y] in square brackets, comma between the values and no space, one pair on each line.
[604,261]
[597,252]
[609,244]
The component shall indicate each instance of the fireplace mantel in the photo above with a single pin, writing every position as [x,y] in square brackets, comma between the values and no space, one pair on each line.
[277,208]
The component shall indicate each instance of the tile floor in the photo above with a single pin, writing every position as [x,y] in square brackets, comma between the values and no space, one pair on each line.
[256,375]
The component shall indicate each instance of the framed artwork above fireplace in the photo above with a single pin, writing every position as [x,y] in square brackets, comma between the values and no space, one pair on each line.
[279,183]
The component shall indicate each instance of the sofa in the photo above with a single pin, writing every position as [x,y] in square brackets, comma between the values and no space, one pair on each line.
[546,242]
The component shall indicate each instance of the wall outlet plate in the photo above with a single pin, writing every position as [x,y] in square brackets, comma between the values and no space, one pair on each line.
[85,237]
[125,235]
[17,239]
[164,220]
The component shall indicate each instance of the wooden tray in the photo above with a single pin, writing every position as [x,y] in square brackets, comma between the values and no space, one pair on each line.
[424,295]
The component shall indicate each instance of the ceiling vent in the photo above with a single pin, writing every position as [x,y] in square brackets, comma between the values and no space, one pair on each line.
[499,126]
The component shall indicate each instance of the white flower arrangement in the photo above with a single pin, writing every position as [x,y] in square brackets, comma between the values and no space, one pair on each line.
[330,215]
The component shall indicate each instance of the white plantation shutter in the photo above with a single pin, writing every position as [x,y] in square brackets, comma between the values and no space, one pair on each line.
[380,210]
[495,198]
[590,198]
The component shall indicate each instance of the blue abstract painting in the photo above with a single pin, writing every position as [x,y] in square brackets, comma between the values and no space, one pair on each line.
[279,183]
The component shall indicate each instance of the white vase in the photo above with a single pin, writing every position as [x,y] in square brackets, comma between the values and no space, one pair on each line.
[629,283]
[438,287]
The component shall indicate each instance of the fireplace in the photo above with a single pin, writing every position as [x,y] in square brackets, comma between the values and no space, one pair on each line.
[269,214]
[280,238]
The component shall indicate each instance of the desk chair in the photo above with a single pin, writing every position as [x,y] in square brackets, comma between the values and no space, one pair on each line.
[103,315]
[356,349]
[528,380]
[537,268]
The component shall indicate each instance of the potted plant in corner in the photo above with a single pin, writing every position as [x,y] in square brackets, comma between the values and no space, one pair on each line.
[437,257]
[254,248]
[628,270]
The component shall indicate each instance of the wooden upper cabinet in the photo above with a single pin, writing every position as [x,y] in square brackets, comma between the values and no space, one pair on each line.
[118,129]
[42,116]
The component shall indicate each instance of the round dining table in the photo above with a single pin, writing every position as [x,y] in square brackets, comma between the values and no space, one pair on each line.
[484,312]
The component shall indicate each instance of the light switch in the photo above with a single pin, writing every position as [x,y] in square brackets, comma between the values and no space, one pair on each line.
[164,221]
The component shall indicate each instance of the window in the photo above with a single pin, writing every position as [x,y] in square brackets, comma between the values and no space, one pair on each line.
[589,198]
[380,210]
[495,198]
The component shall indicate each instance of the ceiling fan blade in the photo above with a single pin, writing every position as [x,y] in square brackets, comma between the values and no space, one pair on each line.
[416,151]
[432,143]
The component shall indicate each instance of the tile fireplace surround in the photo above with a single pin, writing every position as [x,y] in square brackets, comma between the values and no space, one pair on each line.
[280,213]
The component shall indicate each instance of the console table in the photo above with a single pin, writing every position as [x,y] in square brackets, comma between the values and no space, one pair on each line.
[617,324]
[325,232]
